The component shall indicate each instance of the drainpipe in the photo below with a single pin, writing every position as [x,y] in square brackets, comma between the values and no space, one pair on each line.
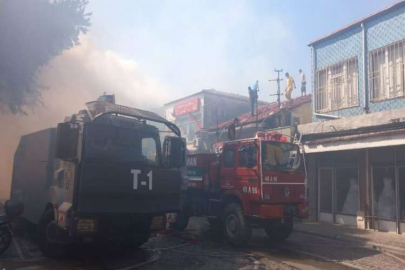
[365,79]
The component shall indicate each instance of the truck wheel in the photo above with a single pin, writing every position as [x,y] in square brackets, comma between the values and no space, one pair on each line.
[237,227]
[5,239]
[280,232]
[46,233]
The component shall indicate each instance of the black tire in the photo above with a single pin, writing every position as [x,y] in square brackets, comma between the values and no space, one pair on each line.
[216,225]
[51,250]
[280,232]
[5,239]
[237,228]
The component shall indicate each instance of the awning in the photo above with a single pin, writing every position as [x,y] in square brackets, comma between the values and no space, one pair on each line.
[99,108]
[356,141]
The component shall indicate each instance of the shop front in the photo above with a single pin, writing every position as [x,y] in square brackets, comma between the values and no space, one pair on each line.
[338,189]
[360,187]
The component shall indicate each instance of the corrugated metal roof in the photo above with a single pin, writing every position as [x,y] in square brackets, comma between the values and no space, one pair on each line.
[356,136]
[265,111]
[358,22]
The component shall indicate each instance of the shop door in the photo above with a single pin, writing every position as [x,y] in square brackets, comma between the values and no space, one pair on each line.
[326,197]
[384,197]
[347,195]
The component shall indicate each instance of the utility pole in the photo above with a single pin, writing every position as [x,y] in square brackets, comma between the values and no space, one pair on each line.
[257,107]
[278,80]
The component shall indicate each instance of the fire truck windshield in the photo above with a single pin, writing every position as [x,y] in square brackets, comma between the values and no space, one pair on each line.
[279,156]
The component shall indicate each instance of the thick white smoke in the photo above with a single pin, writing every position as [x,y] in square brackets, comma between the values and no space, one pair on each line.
[75,77]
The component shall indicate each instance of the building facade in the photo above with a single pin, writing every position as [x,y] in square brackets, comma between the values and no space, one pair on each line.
[355,148]
[202,110]
[270,118]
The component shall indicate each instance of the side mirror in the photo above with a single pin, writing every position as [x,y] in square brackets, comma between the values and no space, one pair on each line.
[66,142]
[174,152]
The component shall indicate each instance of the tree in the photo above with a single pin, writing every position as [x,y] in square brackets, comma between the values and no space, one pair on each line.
[31,34]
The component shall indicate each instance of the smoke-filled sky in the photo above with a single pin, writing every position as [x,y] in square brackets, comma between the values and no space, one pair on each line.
[75,77]
[148,52]
[189,45]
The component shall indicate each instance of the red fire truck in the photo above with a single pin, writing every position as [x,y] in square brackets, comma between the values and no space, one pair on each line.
[251,183]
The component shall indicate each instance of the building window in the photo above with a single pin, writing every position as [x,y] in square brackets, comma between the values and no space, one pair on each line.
[244,157]
[325,189]
[347,191]
[384,194]
[401,184]
[229,158]
[386,72]
[336,86]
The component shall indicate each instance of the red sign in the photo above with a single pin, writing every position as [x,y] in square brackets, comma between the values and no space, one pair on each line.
[271,136]
[187,107]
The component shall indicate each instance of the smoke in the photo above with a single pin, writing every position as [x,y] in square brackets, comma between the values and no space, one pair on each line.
[77,76]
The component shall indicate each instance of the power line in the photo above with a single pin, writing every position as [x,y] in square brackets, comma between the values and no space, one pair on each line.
[278,80]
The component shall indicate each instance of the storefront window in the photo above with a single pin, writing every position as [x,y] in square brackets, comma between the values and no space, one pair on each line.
[401,176]
[325,182]
[384,192]
[347,191]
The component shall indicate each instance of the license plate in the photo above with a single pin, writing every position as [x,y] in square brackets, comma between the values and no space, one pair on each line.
[290,210]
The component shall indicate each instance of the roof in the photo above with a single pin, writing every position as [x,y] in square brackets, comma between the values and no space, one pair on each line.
[99,108]
[265,111]
[352,124]
[359,22]
[355,136]
[380,138]
[215,93]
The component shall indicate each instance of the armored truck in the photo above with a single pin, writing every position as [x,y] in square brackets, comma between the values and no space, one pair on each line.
[102,175]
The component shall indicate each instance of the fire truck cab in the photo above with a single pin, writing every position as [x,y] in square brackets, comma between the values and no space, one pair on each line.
[251,183]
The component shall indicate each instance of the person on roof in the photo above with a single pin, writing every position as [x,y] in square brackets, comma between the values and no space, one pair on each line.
[253,95]
[253,100]
[290,87]
[232,129]
[303,83]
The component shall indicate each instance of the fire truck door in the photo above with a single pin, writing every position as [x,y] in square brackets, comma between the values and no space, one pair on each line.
[227,173]
[247,173]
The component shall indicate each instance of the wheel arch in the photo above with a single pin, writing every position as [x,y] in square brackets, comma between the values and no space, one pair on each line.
[235,197]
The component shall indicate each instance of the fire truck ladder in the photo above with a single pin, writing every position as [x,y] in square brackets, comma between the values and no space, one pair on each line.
[301,147]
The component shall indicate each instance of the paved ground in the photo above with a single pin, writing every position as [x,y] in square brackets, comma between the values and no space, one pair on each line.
[310,247]
[355,235]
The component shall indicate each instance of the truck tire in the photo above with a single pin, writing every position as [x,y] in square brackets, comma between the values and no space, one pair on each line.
[279,233]
[237,227]
[49,249]
[5,239]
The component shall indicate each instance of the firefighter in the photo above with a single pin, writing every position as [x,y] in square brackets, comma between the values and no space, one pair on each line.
[274,154]
[289,88]
[232,129]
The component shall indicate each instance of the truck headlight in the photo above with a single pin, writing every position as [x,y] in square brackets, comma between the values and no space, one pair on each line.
[86,225]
